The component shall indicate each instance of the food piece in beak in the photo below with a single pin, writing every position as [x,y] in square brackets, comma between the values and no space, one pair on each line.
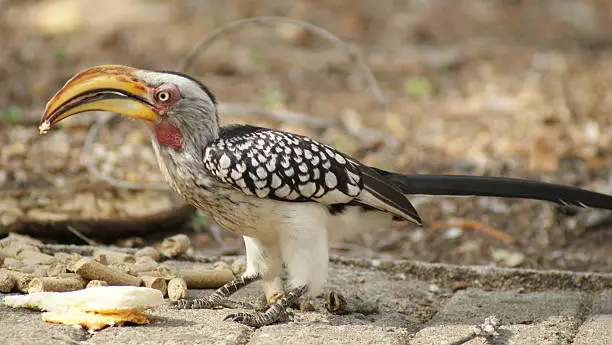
[44,127]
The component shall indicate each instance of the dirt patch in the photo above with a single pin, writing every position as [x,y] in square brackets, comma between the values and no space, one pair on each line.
[494,88]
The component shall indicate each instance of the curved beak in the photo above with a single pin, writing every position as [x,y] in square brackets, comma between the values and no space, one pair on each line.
[111,88]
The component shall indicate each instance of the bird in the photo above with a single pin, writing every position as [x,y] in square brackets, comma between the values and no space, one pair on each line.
[280,191]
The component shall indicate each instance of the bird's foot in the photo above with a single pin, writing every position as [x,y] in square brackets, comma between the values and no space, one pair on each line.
[274,314]
[219,297]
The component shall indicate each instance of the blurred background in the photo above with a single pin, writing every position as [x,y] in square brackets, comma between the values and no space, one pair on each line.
[506,88]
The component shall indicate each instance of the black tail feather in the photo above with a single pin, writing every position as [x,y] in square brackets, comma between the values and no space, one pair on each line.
[427,184]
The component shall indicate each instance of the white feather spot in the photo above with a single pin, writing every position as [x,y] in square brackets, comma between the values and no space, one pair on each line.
[289,172]
[315,160]
[315,173]
[307,154]
[331,181]
[307,189]
[275,181]
[241,167]
[224,161]
[285,163]
[240,183]
[314,148]
[282,192]
[236,175]
[271,164]
[260,183]
[304,178]
[254,162]
[340,159]
[262,193]
[303,167]
[326,164]
[261,172]
[353,190]
[293,195]
[207,155]
[297,150]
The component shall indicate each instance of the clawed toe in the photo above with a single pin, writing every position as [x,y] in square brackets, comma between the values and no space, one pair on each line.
[259,319]
[243,318]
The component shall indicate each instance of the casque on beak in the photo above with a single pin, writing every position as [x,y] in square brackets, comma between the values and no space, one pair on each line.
[111,88]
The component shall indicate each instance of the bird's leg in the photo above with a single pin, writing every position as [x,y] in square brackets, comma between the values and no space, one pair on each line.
[276,312]
[216,299]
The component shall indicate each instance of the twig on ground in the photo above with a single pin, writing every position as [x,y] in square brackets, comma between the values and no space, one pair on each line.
[78,234]
[473,225]
[349,49]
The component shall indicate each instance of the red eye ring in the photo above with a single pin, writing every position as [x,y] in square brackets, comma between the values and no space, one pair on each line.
[163,96]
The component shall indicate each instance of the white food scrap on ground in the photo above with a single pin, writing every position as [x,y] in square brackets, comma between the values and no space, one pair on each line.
[93,308]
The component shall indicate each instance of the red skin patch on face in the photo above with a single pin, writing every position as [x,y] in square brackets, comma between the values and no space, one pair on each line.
[168,135]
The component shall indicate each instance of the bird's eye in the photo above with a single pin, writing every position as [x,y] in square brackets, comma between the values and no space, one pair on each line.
[162,96]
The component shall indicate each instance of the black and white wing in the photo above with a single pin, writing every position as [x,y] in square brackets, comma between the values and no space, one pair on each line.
[289,167]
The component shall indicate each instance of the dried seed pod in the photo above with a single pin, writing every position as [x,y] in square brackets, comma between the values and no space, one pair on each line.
[144,264]
[206,278]
[221,265]
[165,272]
[34,257]
[113,257]
[22,280]
[175,245]
[92,270]
[177,289]
[157,283]
[127,268]
[95,283]
[56,284]
[148,252]
[239,266]
[7,281]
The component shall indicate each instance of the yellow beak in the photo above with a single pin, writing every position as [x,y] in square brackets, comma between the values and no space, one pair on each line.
[111,88]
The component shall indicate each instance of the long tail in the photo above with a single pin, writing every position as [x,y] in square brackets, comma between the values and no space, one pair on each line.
[427,184]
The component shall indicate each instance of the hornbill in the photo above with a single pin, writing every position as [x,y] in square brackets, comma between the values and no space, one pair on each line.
[280,191]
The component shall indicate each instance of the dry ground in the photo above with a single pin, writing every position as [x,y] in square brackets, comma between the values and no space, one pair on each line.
[508,88]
